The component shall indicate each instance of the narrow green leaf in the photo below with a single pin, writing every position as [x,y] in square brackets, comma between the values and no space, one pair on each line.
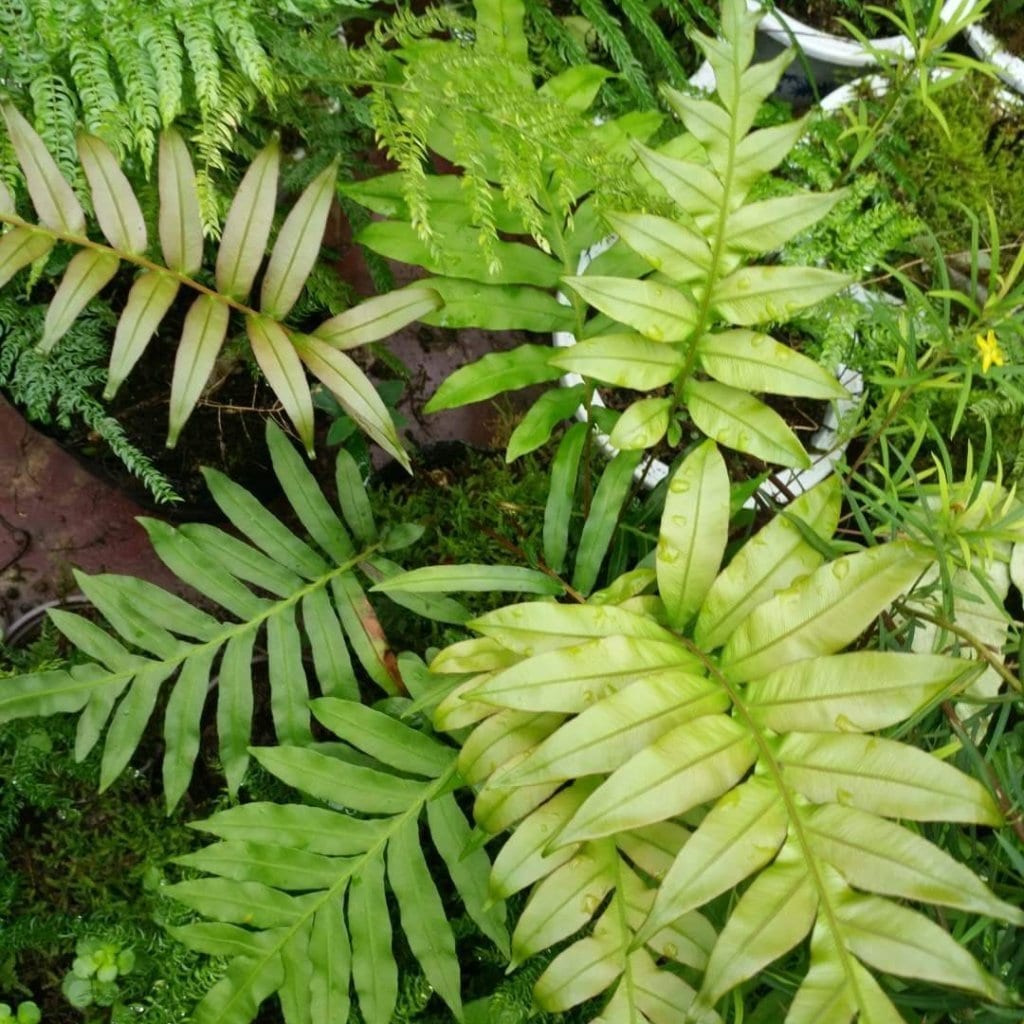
[385,738]
[880,856]
[365,633]
[52,196]
[673,248]
[298,826]
[236,998]
[770,561]
[6,200]
[202,336]
[693,534]
[884,777]
[525,858]
[900,941]
[271,864]
[265,530]
[756,362]
[20,247]
[247,227]
[587,968]
[502,739]
[767,225]
[354,392]
[469,871]
[297,246]
[289,690]
[432,579]
[378,317]
[117,209]
[772,916]
[306,498]
[496,307]
[192,565]
[493,374]
[333,781]
[251,903]
[180,225]
[457,254]
[215,938]
[762,151]
[603,737]
[374,972]
[423,916]
[130,720]
[88,273]
[272,346]
[561,499]
[737,420]
[234,708]
[353,499]
[565,901]
[430,606]
[642,425]
[97,712]
[821,613]
[182,723]
[605,508]
[694,187]
[625,360]
[756,295]
[534,430]
[658,311]
[148,302]
[331,958]
[94,642]
[863,691]
[569,679]
[298,972]
[327,645]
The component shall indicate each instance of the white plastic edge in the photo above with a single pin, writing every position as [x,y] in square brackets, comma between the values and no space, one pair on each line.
[1009,68]
[836,50]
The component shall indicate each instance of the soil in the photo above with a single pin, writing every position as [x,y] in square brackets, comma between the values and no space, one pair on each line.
[1008,28]
[829,15]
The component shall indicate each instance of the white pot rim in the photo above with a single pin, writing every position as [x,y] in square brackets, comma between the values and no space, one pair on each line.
[784,484]
[987,46]
[837,50]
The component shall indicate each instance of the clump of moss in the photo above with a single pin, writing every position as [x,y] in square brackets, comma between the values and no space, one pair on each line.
[976,165]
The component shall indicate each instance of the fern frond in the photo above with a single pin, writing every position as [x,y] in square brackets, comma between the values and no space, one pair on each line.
[102,107]
[267,584]
[159,39]
[301,904]
[613,40]
[650,753]
[141,95]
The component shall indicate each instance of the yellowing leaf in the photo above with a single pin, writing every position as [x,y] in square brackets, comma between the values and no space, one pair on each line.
[88,273]
[821,613]
[354,392]
[148,302]
[116,207]
[377,318]
[765,226]
[757,362]
[738,420]
[297,246]
[658,311]
[642,425]
[52,196]
[625,360]
[676,250]
[180,226]
[282,367]
[694,187]
[20,247]
[755,295]
[202,336]
[247,228]
[693,534]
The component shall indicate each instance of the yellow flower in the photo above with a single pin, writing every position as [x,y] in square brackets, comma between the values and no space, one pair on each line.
[990,352]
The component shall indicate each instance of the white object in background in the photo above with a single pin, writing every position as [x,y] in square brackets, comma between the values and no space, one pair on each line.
[1009,68]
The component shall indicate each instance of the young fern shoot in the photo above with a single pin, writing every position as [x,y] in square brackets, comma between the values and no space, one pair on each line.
[283,354]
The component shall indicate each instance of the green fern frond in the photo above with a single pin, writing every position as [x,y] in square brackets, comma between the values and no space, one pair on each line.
[162,45]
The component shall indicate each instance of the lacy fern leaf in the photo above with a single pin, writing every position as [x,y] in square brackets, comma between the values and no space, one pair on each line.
[649,752]
[272,584]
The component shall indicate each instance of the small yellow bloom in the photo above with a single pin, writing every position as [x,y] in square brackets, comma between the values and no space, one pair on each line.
[990,352]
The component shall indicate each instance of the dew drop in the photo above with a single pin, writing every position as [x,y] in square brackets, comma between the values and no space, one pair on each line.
[669,951]
[840,569]
[590,904]
[679,485]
